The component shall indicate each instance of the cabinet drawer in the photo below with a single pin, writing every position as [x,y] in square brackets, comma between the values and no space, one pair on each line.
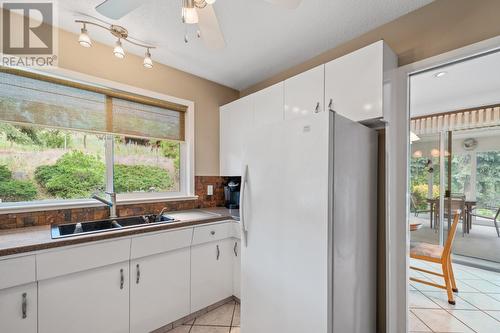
[163,242]
[75,259]
[212,232]
[17,271]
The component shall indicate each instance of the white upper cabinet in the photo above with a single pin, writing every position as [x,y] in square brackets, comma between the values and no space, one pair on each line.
[354,82]
[236,122]
[268,105]
[304,93]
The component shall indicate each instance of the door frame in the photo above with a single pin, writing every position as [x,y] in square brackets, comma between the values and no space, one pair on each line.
[396,114]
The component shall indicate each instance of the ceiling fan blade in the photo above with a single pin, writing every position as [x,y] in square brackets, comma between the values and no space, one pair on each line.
[116,9]
[290,4]
[209,28]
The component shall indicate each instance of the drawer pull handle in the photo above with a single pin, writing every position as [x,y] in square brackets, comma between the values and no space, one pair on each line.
[330,105]
[24,306]
[212,233]
[316,110]
[138,274]
[218,252]
[122,278]
[235,249]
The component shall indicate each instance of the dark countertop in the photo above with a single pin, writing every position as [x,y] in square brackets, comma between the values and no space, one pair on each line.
[21,240]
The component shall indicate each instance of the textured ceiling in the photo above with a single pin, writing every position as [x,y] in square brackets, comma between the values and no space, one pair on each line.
[262,39]
[466,84]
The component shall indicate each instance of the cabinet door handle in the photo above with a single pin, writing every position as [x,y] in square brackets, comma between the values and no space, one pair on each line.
[138,273]
[330,105]
[218,252]
[316,110]
[235,249]
[122,278]
[24,305]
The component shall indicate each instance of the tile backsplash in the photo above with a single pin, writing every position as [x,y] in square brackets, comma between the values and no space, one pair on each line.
[20,220]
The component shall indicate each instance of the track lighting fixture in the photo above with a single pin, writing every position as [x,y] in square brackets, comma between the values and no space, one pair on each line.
[121,34]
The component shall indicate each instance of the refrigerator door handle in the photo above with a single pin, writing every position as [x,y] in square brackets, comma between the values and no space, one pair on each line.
[243,226]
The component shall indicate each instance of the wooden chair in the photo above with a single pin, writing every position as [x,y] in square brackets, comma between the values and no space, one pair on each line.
[440,255]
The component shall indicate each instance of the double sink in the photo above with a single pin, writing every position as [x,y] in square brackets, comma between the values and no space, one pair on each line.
[120,223]
[90,227]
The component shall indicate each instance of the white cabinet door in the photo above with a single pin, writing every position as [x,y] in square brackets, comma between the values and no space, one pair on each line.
[354,82]
[159,290]
[304,93]
[18,309]
[211,273]
[268,105]
[236,122]
[95,300]
[236,268]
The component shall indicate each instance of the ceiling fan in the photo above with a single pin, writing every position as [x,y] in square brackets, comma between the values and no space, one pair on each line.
[200,12]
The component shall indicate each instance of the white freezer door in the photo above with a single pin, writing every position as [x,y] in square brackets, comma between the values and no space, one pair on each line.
[284,263]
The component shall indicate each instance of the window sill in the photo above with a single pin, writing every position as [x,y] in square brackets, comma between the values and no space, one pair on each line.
[14,208]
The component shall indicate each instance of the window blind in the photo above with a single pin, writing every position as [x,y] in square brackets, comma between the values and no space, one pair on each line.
[458,120]
[32,99]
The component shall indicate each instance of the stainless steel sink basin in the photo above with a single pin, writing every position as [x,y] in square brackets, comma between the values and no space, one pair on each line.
[90,227]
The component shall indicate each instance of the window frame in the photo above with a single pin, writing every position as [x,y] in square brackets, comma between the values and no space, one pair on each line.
[187,157]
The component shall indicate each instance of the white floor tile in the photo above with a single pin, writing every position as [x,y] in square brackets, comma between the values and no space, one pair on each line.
[441,321]
[418,300]
[479,321]
[481,301]
[483,286]
[494,314]
[415,324]
[463,287]
[441,298]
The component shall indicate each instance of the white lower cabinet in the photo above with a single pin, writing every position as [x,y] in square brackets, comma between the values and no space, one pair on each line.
[96,300]
[237,268]
[211,273]
[18,309]
[159,290]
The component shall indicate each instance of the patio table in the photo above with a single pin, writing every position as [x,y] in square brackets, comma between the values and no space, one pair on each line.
[467,221]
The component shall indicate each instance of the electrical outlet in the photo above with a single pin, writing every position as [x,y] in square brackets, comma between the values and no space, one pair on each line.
[210,190]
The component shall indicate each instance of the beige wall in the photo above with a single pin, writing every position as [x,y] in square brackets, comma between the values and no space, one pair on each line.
[441,26]
[207,95]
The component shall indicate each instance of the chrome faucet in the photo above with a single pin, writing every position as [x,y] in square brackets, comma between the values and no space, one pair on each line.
[111,204]
[158,217]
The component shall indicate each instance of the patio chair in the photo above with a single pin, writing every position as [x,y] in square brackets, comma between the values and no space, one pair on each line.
[414,206]
[439,255]
[494,219]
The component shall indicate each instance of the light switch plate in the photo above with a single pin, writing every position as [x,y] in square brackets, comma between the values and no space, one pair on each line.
[210,190]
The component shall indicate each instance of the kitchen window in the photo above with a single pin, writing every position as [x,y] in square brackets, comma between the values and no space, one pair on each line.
[62,141]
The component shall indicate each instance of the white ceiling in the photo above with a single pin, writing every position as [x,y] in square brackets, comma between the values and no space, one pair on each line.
[262,39]
[467,84]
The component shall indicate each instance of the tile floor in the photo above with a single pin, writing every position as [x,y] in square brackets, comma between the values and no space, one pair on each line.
[477,306]
[224,319]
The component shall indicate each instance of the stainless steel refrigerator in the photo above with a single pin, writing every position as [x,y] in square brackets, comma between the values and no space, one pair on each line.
[309,224]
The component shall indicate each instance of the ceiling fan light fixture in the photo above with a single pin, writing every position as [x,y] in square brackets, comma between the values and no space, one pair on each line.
[210,2]
[148,63]
[118,50]
[84,38]
[189,15]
